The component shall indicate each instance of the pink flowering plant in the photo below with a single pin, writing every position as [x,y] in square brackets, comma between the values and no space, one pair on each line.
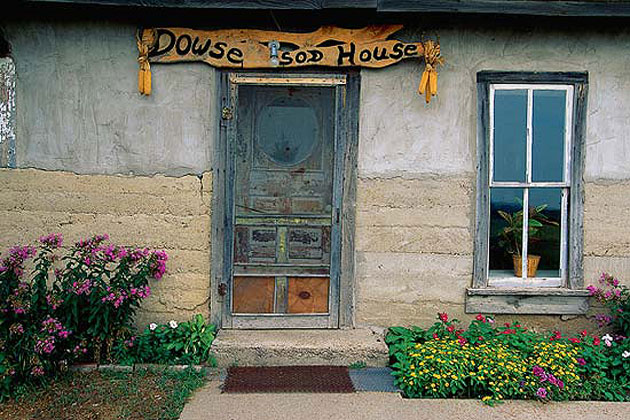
[69,307]
[615,297]
[33,341]
[103,285]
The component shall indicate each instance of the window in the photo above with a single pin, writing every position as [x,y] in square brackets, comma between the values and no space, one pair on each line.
[530,146]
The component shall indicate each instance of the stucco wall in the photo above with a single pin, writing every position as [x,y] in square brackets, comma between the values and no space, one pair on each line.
[78,110]
[414,241]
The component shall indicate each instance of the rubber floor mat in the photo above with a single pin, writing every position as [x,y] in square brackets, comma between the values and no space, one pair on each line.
[307,379]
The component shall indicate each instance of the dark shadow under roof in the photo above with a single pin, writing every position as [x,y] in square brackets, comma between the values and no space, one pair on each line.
[602,8]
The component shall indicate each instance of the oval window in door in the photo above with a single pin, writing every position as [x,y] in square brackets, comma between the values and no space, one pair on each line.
[287,131]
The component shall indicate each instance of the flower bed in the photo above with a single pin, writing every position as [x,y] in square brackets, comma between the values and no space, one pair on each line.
[79,305]
[494,363]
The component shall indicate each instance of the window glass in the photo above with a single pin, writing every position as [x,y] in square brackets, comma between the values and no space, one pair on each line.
[545,208]
[548,122]
[506,221]
[510,135]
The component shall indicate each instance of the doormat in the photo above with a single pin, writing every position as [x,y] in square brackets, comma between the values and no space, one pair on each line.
[278,379]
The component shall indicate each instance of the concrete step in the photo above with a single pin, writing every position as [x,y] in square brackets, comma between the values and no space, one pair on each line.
[299,347]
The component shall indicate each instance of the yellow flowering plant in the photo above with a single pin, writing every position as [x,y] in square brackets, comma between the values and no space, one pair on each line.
[488,362]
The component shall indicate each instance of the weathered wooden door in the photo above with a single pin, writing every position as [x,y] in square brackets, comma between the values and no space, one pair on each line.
[285,155]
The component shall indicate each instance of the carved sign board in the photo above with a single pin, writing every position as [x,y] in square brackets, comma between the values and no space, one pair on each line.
[250,49]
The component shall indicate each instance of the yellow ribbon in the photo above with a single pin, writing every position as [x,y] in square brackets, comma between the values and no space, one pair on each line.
[428,83]
[145,41]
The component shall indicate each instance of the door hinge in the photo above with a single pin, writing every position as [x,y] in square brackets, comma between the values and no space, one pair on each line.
[227,113]
[222,289]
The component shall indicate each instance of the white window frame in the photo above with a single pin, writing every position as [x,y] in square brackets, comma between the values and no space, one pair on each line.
[565,185]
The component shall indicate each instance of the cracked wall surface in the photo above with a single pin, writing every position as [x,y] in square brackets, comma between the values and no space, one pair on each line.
[159,212]
[78,111]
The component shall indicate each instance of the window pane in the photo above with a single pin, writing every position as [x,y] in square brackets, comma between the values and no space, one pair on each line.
[545,207]
[548,135]
[505,229]
[510,135]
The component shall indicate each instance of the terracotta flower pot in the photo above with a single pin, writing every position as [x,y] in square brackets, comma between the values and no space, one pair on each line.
[532,265]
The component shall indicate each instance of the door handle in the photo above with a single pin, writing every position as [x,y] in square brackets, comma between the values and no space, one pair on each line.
[222,289]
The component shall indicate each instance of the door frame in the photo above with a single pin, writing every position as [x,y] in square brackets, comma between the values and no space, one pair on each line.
[348,126]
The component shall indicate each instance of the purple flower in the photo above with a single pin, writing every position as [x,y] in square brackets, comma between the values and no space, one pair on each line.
[581,361]
[538,371]
[54,240]
[542,393]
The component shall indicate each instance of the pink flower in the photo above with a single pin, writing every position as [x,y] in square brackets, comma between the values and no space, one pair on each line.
[574,340]
[480,317]
[450,328]
[443,316]
[435,336]
[37,371]
[581,361]
[54,240]
[542,393]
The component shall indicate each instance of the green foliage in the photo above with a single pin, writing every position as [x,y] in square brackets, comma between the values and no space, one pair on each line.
[494,363]
[357,365]
[172,343]
[512,234]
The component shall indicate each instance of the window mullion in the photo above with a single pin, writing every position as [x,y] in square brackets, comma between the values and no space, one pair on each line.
[528,179]
[525,233]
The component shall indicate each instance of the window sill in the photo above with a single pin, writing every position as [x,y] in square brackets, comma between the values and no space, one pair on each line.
[527,301]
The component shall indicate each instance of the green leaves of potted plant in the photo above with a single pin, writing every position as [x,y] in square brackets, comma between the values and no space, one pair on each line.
[512,236]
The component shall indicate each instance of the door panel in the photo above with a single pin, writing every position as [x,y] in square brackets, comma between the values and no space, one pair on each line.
[308,295]
[253,294]
[286,199]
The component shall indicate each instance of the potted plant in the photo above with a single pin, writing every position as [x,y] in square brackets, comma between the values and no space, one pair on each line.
[512,236]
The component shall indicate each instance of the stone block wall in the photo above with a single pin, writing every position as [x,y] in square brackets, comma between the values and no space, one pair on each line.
[413,247]
[159,212]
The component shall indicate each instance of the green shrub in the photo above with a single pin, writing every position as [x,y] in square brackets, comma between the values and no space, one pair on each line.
[172,343]
[71,306]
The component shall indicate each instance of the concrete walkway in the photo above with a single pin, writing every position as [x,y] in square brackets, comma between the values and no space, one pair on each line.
[209,404]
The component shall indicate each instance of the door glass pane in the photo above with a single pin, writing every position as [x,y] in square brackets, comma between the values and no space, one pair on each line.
[549,112]
[506,229]
[284,151]
[545,206]
[510,135]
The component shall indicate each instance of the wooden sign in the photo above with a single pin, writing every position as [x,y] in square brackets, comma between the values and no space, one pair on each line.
[329,46]
[251,49]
